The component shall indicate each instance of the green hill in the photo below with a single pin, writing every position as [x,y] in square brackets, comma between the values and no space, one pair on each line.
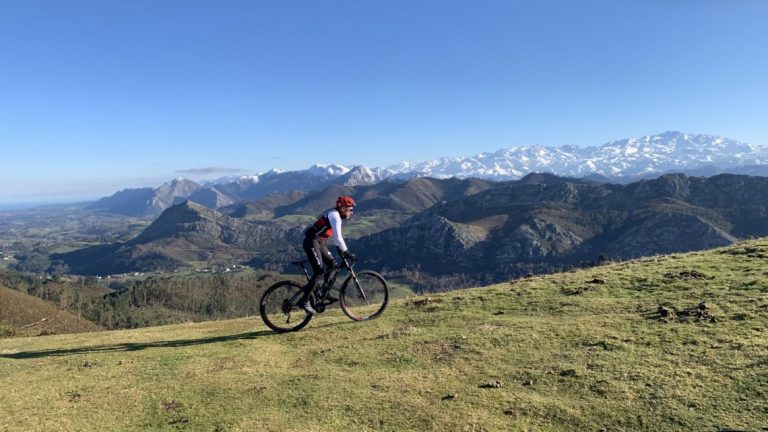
[665,343]
[24,315]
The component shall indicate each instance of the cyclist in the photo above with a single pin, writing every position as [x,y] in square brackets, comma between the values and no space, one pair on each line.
[327,225]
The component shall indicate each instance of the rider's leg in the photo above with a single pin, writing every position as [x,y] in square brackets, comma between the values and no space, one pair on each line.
[317,254]
[330,262]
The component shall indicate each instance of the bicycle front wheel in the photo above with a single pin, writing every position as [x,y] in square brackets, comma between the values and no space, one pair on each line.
[364,295]
[279,307]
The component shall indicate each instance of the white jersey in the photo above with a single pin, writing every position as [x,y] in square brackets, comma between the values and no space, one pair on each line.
[335,219]
[328,226]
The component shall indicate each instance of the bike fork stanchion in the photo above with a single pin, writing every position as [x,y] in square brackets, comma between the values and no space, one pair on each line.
[360,291]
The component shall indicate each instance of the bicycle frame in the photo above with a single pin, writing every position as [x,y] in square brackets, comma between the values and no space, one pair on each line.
[329,276]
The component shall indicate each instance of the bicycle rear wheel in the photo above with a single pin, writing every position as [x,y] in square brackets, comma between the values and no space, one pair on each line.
[364,295]
[279,307]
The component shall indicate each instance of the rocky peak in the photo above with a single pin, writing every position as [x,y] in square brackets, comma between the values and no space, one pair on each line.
[675,186]
[361,175]
[178,187]
[184,217]
[542,178]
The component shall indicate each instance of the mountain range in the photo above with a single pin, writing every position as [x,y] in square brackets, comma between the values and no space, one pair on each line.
[493,230]
[543,223]
[625,159]
[622,161]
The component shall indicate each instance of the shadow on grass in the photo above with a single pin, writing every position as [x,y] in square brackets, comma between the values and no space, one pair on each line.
[136,346]
[159,344]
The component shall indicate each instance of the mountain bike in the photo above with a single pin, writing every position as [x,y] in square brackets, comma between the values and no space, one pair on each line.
[363,296]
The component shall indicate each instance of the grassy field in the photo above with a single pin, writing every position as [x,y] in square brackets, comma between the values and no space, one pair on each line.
[72,247]
[668,343]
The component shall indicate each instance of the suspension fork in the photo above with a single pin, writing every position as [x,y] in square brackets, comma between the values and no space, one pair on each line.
[357,284]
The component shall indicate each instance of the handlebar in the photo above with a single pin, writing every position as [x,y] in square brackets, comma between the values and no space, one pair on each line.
[343,258]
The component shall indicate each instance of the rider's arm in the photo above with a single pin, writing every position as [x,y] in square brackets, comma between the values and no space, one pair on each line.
[335,219]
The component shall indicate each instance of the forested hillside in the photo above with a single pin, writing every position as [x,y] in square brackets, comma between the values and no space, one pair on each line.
[151,301]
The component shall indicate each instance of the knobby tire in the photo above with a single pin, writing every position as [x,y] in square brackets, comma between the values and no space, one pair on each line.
[366,298]
[275,311]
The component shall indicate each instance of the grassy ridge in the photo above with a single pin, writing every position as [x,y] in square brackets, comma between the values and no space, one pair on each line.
[587,350]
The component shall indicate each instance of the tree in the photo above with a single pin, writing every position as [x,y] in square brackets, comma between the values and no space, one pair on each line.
[33,262]
[58,268]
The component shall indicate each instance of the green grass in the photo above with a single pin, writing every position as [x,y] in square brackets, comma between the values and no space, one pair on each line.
[296,219]
[72,247]
[371,222]
[586,350]
[398,290]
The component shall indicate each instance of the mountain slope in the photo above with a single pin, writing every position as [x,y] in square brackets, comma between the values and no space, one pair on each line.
[541,223]
[31,316]
[409,196]
[661,344]
[146,202]
[183,234]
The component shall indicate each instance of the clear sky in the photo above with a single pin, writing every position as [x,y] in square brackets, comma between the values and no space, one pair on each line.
[100,95]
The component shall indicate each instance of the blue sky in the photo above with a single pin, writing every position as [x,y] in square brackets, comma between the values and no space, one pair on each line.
[97,96]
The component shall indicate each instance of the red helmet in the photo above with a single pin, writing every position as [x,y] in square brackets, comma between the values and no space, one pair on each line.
[345,201]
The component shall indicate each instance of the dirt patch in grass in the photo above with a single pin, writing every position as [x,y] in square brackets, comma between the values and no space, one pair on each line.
[605,345]
[437,351]
[579,290]
[426,301]
[590,285]
[73,396]
[398,332]
[670,313]
[600,388]
[492,384]
[687,275]
[173,406]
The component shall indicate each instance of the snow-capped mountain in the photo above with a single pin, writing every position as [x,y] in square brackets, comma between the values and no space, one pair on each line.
[630,157]
[619,161]
[331,170]
[230,179]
